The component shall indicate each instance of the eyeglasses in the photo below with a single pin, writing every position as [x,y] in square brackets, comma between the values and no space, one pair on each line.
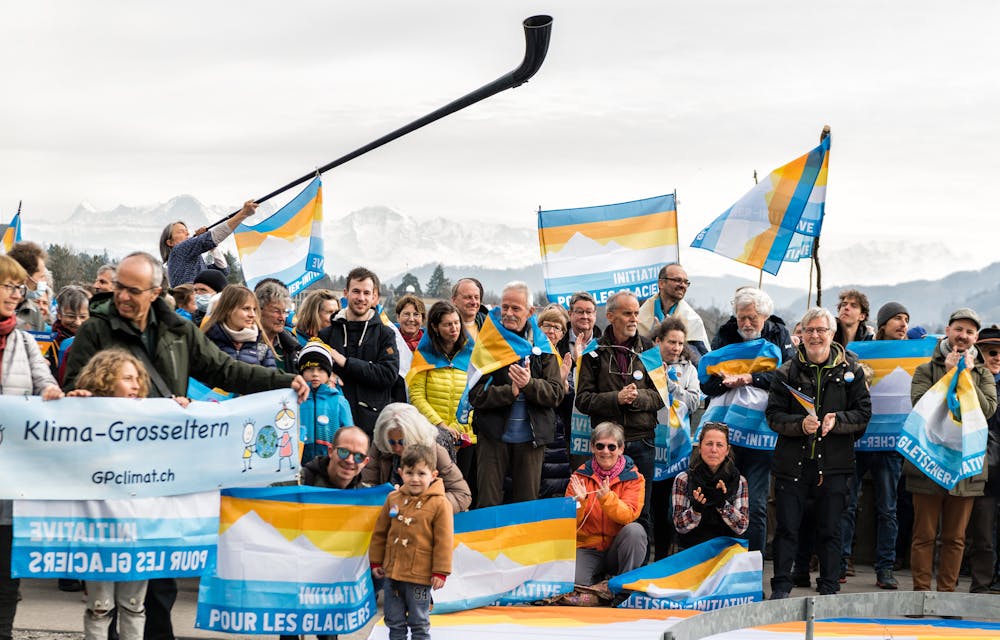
[344,453]
[613,365]
[600,446]
[132,291]
[993,353]
[410,315]
[393,443]
[815,331]
[19,289]
[683,281]
[552,327]
[583,312]
[73,317]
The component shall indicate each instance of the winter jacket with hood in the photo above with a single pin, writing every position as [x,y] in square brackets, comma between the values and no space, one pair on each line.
[372,365]
[413,535]
[836,386]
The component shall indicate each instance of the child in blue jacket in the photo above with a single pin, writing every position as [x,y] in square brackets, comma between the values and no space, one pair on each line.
[326,410]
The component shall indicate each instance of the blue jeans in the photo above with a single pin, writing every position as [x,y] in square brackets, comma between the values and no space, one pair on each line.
[643,454]
[407,605]
[886,468]
[755,466]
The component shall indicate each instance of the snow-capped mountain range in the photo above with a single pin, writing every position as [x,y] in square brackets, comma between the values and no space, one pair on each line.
[393,243]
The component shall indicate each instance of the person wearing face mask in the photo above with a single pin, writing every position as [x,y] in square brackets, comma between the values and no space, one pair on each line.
[32,259]
[207,284]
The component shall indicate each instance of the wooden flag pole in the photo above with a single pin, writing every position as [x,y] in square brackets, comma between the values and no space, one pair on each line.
[760,277]
[815,252]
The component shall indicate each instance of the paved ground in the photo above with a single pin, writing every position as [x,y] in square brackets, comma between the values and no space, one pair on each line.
[46,613]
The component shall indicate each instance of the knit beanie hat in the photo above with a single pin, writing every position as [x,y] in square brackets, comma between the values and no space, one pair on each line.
[888,310]
[212,278]
[315,354]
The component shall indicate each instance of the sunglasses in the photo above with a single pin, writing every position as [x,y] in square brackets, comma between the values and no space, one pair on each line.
[612,447]
[393,443]
[344,454]
[993,353]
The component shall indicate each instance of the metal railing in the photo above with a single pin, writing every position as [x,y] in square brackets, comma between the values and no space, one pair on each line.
[854,605]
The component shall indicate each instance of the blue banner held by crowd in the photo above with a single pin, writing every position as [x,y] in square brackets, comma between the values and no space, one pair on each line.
[115,540]
[135,448]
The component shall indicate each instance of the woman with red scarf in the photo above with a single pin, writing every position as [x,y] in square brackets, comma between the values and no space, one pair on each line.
[23,372]
[609,491]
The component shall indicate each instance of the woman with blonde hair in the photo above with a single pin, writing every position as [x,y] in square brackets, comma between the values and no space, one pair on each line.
[234,327]
[315,314]
[23,372]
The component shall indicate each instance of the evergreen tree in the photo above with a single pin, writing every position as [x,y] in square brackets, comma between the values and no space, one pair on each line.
[438,286]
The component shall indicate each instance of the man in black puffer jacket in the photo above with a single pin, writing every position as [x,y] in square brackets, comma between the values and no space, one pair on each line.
[814,455]
[364,350]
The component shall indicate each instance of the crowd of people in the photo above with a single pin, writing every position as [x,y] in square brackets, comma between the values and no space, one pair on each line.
[364,421]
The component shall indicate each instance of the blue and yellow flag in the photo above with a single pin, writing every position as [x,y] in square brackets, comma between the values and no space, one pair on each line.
[777,219]
[608,248]
[741,408]
[11,233]
[292,560]
[893,363]
[497,347]
[945,434]
[511,554]
[425,358]
[288,245]
[714,574]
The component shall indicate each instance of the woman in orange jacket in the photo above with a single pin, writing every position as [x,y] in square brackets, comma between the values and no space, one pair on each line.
[609,491]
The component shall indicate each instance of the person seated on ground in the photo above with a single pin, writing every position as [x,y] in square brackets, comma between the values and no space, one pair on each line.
[398,426]
[710,498]
[609,491]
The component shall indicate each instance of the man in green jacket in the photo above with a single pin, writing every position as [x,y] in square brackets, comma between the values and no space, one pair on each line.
[931,502]
[135,318]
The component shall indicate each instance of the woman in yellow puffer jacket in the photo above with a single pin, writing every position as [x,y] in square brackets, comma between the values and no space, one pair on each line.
[437,379]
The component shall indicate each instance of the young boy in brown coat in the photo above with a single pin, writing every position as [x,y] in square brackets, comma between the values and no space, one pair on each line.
[412,544]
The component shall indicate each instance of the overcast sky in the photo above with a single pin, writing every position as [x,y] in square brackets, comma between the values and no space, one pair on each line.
[135,102]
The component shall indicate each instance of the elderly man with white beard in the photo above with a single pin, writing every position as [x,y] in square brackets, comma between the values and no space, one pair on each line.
[752,319]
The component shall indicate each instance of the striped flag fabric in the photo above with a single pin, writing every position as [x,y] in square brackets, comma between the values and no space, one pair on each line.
[741,408]
[497,347]
[511,554]
[714,574]
[11,233]
[608,248]
[425,358]
[292,560]
[945,434]
[777,219]
[288,245]
[893,363]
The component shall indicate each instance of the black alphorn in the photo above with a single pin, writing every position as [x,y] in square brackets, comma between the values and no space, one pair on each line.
[537,31]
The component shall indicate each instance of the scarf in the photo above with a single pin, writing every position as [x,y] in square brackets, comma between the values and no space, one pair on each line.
[945,349]
[701,476]
[622,357]
[61,331]
[414,340]
[243,335]
[6,326]
[601,475]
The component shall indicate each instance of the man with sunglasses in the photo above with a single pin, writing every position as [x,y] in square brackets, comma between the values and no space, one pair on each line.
[615,387]
[982,524]
[673,284]
[341,467]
